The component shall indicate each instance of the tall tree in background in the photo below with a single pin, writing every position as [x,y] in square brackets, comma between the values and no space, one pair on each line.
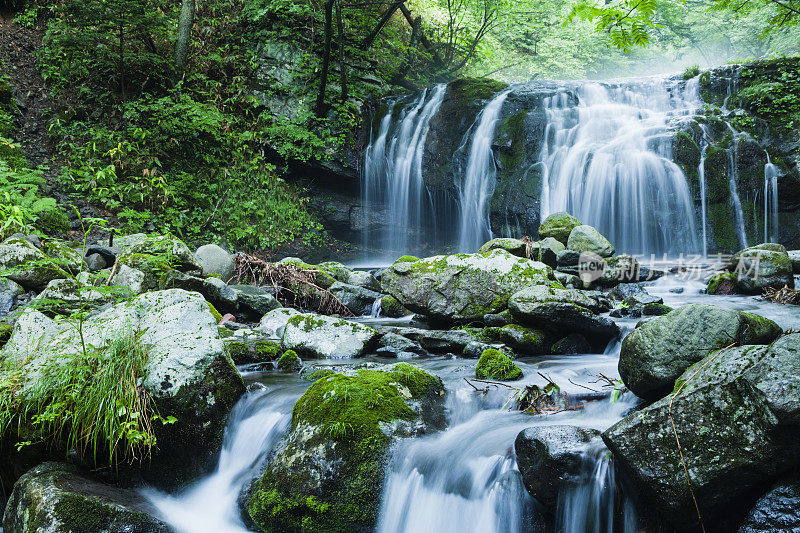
[185,23]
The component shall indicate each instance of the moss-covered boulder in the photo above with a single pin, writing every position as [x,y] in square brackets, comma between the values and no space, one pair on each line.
[462,287]
[558,226]
[563,311]
[515,247]
[59,498]
[794,257]
[289,362]
[494,364]
[736,415]
[188,374]
[165,246]
[327,337]
[761,266]
[656,353]
[524,340]
[327,475]
[248,346]
[586,239]
[24,263]
[722,283]
[392,308]
[358,300]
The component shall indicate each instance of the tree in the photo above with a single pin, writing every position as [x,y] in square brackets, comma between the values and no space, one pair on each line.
[185,23]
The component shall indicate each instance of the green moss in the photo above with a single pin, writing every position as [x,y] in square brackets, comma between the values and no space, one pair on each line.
[720,218]
[655,309]
[217,316]
[347,412]
[391,307]
[523,339]
[687,155]
[717,280]
[511,138]
[318,374]
[691,72]
[266,350]
[474,90]
[5,333]
[289,362]
[406,259]
[52,221]
[306,322]
[493,364]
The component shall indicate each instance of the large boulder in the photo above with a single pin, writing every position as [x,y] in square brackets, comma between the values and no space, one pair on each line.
[659,350]
[524,340]
[550,458]
[188,374]
[462,287]
[513,246]
[736,414]
[357,300]
[758,268]
[59,498]
[215,261]
[777,510]
[10,290]
[274,322]
[254,301]
[166,246]
[327,474]
[794,257]
[435,340]
[586,239]
[26,264]
[327,337]
[563,311]
[558,226]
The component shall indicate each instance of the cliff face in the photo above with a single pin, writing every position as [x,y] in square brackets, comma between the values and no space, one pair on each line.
[747,124]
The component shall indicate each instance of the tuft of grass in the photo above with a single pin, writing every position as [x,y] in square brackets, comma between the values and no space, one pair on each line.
[91,401]
[691,72]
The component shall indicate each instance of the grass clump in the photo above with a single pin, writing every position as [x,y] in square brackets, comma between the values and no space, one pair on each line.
[91,401]
[691,72]
[493,364]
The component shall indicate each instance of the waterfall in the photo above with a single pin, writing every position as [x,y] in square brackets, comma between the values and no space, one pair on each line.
[733,174]
[590,505]
[770,202]
[608,161]
[256,423]
[701,172]
[393,175]
[479,180]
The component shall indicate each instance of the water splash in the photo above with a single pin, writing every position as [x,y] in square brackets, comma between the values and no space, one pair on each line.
[608,161]
[479,180]
[771,172]
[256,423]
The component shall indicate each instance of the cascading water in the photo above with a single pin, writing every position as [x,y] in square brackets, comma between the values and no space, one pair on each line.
[733,174]
[608,161]
[701,172]
[479,180]
[770,202]
[393,175]
[590,505]
[256,423]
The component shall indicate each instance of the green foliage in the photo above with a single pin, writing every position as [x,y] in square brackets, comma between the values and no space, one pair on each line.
[691,72]
[624,22]
[771,90]
[20,204]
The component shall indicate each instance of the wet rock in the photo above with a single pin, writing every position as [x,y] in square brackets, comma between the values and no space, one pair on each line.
[327,337]
[546,251]
[494,320]
[248,346]
[400,344]
[474,349]
[563,311]
[392,308]
[513,246]
[758,268]
[254,301]
[558,226]
[777,510]
[794,257]
[621,269]
[358,300]
[59,498]
[524,340]
[363,279]
[736,414]
[586,239]
[574,343]
[220,295]
[189,374]
[95,262]
[328,473]
[660,350]
[9,291]
[437,341]
[462,287]
[215,261]
[550,458]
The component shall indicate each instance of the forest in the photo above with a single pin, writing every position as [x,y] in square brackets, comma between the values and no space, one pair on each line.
[399,266]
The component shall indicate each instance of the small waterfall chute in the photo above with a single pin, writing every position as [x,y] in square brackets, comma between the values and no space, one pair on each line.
[771,172]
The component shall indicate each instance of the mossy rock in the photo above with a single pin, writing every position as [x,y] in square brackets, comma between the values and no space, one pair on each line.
[494,364]
[52,221]
[655,309]
[722,283]
[329,473]
[558,226]
[391,307]
[216,314]
[406,259]
[524,340]
[5,333]
[289,362]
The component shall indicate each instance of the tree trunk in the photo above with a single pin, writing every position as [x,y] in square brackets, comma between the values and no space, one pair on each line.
[185,23]
[342,66]
[387,15]
[326,58]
